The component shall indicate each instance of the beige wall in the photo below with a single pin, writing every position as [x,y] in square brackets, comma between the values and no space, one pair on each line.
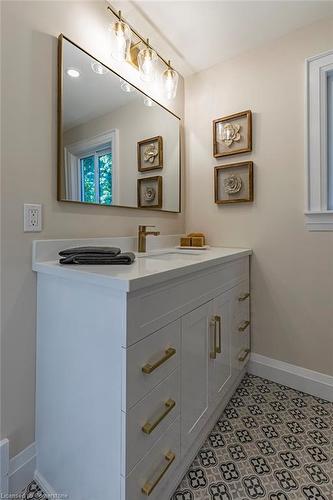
[29,100]
[292,268]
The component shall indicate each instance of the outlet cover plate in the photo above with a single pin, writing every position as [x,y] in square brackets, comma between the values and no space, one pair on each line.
[32,217]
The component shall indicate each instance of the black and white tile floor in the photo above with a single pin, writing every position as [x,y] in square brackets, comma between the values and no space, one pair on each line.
[271,442]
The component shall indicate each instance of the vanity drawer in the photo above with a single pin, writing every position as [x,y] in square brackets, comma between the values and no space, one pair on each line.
[148,362]
[151,309]
[156,471]
[145,423]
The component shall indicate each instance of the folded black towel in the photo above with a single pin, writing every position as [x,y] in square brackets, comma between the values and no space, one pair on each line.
[99,259]
[90,250]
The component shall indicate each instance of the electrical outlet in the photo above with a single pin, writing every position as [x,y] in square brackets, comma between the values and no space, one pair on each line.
[32,218]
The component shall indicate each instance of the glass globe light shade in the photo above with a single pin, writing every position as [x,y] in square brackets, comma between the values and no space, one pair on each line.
[147,59]
[170,83]
[120,40]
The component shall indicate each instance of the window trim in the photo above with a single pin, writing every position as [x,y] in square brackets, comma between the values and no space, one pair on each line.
[80,148]
[317,215]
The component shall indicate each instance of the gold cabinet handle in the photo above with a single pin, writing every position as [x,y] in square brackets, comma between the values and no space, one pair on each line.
[213,353]
[149,486]
[243,355]
[244,296]
[218,321]
[150,426]
[149,368]
[243,326]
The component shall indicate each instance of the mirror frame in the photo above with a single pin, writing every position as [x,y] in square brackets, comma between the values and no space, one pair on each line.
[60,148]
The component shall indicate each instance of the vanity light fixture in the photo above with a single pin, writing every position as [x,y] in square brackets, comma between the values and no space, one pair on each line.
[99,68]
[120,39]
[170,82]
[145,59]
[72,72]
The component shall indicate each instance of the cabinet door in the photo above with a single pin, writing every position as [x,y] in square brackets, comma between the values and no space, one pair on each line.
[195,371]
[220,366]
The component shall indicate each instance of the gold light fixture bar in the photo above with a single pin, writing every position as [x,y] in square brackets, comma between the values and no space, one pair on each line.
[134,47]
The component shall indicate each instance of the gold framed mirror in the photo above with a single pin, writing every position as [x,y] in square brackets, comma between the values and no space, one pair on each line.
[111,135]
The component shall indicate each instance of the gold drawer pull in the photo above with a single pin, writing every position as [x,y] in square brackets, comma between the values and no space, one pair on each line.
[244,296]
[150,426]
[243,326]
[148,368]
[243,355]
[149,486]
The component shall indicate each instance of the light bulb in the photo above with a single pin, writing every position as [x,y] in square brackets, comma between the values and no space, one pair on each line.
[147,59]
[99,68]
[125,86]
[120,40]
[73,73]
[170,82]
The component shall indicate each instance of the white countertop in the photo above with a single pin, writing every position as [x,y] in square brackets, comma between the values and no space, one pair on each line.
[147,270]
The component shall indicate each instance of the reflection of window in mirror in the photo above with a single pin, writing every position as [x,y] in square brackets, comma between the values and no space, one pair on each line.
[91,170]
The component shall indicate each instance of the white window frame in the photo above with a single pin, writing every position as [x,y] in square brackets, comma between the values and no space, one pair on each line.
[75,151]
[317,215]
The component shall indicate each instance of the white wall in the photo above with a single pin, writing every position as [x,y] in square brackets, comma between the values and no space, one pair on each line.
[29,33]
[292,268]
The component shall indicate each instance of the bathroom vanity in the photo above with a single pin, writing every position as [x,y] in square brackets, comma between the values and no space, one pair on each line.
[134,365]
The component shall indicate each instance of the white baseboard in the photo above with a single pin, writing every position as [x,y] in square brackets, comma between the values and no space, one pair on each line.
[44,485]
[4,466]
[302,379]
[22,469]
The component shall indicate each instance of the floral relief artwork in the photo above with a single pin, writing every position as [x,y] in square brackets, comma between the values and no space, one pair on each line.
[150,192]
[233,183]
[232,134]
[150,154]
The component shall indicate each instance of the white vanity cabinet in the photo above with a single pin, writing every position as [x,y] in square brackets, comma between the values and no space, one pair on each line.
[131,378]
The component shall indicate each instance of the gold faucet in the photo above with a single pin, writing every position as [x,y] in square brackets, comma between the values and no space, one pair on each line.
[142,234]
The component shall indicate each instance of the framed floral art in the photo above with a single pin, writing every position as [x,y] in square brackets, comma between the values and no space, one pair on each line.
[232,134]
[233,183]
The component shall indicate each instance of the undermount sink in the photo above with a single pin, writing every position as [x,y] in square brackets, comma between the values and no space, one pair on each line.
[173,256]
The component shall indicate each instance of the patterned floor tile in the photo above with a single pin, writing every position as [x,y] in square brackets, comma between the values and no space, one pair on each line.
[271,442]
[33,492]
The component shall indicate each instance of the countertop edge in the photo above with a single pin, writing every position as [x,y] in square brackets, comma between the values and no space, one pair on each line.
[125,285]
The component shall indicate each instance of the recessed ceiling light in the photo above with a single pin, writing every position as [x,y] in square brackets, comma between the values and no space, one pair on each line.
[149,102]
[72,72]
[126,87]
[99,68]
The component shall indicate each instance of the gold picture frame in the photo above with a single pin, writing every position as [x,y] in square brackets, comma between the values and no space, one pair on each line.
[150,154]
[232,134]
[150,194]
[233,183]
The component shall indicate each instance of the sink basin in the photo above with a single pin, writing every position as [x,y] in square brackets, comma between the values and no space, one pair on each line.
[173,256]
